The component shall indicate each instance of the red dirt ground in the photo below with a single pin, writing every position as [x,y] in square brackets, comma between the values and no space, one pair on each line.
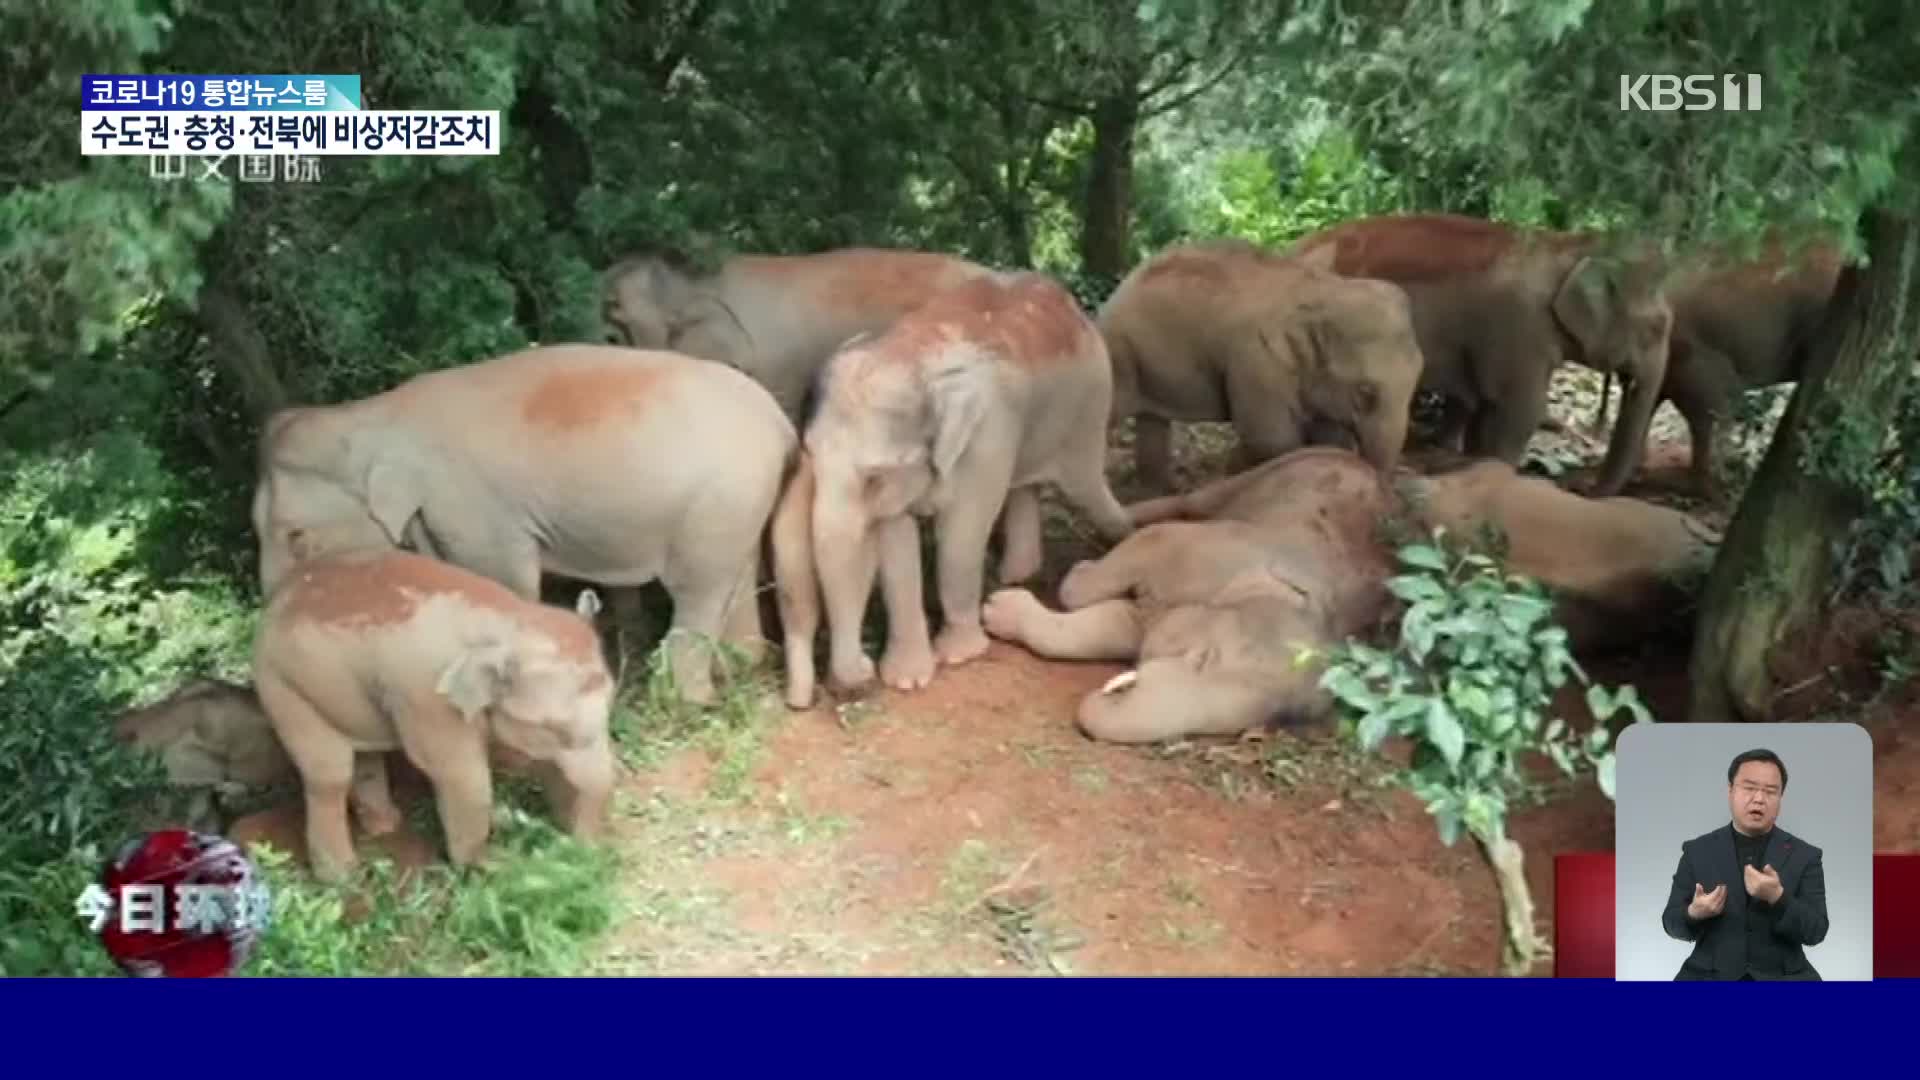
[1139,860]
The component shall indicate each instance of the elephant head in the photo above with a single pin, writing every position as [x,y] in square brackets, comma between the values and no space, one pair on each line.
[540,692]
[1617,313]
[1216,669]
[1359,362]
[660,302]
[329,483]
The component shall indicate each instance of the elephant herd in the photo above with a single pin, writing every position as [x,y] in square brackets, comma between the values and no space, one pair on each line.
[818,408]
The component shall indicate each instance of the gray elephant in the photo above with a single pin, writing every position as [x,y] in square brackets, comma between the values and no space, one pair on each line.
[604,464]
[1739,326]
[775,317]
[1497,309]
[1220,588]
[1289,351]
[363,653]
[963,406]
[210,735]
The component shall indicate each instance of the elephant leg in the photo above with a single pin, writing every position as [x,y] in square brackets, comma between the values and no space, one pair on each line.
[1262,417]
[512,560]
[1020,552]
[743,628]
[1108,630]
[325,762]
[907,663]
[963,528]
[846,603]
[700,597]
[453,756]
[583,788]
[1081,474]
[1153,451]
[1116,573]
[372,799]
[1503,430]
[1166,698]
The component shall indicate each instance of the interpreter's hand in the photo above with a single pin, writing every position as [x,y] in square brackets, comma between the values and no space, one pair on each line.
[1706,904]
[1764,884]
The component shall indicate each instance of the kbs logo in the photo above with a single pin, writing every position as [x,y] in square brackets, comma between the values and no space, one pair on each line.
[1665,93]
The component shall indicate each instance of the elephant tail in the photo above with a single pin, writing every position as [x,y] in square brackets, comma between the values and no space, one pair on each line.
[796,580]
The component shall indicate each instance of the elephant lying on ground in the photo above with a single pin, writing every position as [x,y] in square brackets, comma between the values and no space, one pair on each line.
[1289,351]
[1219,588]
[775,317]
[963,406]
[605,464]
[363,653]
[1497,309]
[209,734]
[1738,328]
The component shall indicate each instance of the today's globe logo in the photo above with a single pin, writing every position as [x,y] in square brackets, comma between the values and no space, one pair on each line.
[178,904]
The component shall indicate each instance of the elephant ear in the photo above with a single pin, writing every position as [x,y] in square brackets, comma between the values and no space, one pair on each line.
[957,398]
[1584,304]
[393,497]
[479,677]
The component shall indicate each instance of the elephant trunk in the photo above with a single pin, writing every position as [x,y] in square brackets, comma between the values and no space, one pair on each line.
[1383,435]
[1639,399]
[796,582]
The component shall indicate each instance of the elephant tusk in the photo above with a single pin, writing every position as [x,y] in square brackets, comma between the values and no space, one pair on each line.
[1120,682]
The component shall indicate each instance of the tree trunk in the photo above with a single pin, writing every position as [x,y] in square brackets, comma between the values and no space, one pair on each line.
[241,350]
[1521,947]
[1105,229]
[1777,558]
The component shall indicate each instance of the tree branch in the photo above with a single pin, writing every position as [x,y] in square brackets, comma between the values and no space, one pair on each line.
[1207,84]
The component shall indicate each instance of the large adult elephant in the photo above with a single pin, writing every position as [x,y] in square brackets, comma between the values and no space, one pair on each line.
[1289,351]
[775,317]
[611,465]
[1498,308]
[1738,326]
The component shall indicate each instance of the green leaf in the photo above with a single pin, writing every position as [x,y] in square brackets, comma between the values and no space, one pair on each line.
[1444,731]
[1603,775]
[1449,824]
[1424,557]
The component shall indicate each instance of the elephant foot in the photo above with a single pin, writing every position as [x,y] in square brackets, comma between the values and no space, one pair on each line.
[959,644]
[378,820]
[1074,588]
[1007,611]
[907,666]
[854,675]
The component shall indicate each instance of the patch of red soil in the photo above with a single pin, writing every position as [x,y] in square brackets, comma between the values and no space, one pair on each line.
[1158,872]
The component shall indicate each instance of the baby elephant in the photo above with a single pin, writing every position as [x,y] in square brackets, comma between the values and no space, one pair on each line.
[959,411]
[1218,590]
[209,734]
[363,652]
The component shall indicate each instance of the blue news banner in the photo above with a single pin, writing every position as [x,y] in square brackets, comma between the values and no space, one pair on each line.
[155,115]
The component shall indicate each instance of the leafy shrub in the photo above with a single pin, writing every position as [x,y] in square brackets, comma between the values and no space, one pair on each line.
[1471,682]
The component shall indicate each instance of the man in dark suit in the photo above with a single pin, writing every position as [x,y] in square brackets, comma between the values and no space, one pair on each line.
[1750,896]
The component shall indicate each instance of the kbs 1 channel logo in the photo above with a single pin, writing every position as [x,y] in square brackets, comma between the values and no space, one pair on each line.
[177,904]
[261,119]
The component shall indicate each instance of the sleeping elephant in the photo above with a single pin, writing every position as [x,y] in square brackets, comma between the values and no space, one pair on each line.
[367,652]
[1497,309]
[1217,591]
[1737,327]
[211,735]
[1289,351]
[775,317]
[962,407]
[610,465]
